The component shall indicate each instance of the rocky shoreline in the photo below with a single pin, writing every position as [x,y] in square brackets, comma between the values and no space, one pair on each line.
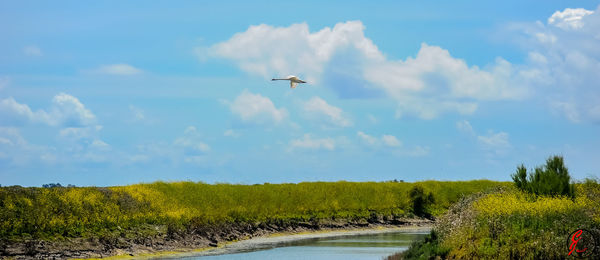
[190,242]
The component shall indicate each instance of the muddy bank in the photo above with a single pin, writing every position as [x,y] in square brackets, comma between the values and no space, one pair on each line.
[201,241]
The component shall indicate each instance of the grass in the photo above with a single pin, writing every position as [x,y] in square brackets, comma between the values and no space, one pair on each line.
[510,224]
[160,207]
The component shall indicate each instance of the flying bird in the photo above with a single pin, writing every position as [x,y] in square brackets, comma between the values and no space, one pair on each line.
[293,80]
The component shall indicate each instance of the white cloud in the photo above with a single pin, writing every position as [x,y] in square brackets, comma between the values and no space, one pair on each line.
[187,148]
[137,113]
[32,50]
[255,108]
[496,142]
[14,112]
[83,145]
[569,18]
[231,133]
[318,109]
[77,133]
[118,69]
[78,143]
[417,151]
[384,140]
[390,140]
[370,140]
[568,109]
[190,130]
[155,152]
[79,130]
[4,81]
[432,83]
[563,61]
[391,145]
[465,127]
[191,143]
[436,70]
[266,50]
[545,37]
[100,145]
[66,110]
[307,142]
[372,119]
[14,149]
[70,111]
[10,136]
[93,151]
[139,158]
[594,113]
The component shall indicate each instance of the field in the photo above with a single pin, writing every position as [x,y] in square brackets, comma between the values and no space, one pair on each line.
[149,209]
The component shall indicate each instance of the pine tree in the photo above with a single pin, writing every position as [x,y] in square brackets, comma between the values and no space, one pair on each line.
[552,179]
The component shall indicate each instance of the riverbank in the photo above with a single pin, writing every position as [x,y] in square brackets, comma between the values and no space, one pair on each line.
[209,240]
[86,222]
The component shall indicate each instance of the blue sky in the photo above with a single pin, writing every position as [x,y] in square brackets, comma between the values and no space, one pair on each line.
[114,92]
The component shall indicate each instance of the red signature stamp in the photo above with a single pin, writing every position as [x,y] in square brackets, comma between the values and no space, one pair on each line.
[581,243]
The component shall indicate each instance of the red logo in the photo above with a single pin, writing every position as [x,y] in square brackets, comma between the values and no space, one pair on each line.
[581,243]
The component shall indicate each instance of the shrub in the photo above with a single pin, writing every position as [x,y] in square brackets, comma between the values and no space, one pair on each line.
[428,248]
[552,179]
[420,201]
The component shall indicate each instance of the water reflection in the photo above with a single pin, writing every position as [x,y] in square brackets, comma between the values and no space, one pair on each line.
[353,247]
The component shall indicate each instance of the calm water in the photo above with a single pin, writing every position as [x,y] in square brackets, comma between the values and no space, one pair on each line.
[352,247]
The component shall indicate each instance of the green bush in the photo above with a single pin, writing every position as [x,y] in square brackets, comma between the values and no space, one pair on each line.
[552,179]
[420,201]
[428,248]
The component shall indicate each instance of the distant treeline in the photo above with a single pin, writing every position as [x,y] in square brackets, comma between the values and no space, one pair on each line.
[56,211]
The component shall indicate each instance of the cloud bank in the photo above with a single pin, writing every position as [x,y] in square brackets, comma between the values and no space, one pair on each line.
[562,63]
[346,60]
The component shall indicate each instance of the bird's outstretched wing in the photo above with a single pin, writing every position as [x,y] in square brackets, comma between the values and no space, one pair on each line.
[293,84]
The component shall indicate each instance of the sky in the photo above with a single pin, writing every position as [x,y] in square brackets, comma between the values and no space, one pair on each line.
[121,92]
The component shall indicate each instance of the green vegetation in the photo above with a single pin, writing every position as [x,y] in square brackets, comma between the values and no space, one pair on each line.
[420,201]
[526,221]
[428,248]
[149,209]
[553,179]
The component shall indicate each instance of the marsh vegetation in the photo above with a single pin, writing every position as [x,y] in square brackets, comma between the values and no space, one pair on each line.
[150,209]
[529,220]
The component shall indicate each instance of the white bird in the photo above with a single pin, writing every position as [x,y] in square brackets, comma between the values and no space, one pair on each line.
[293,80]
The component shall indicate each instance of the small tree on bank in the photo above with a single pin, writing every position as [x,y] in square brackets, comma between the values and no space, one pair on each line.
[552,179]
[420,201]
